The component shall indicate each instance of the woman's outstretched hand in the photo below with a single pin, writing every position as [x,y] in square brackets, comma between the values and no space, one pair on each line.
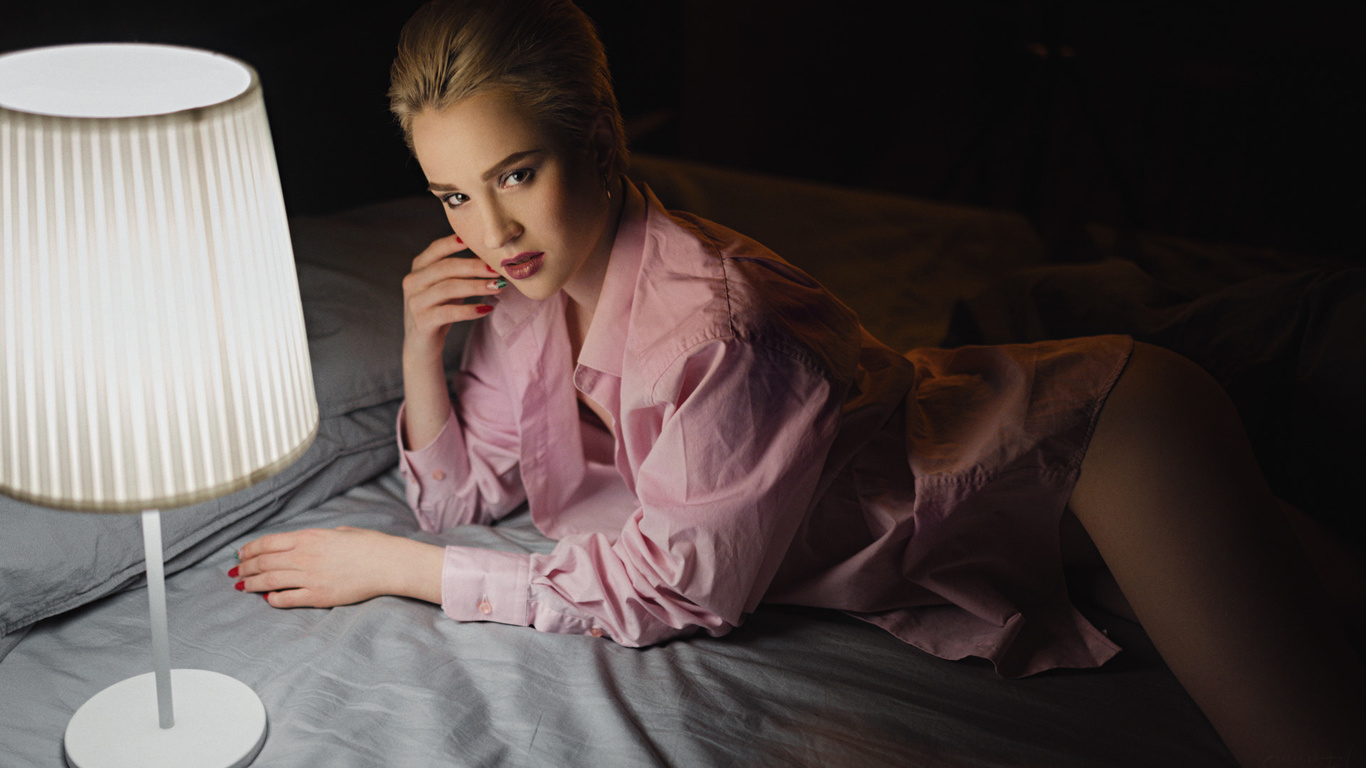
[320,568]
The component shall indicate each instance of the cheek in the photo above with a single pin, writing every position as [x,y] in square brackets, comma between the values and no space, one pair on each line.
[462,229]
[555,214]
[583,206]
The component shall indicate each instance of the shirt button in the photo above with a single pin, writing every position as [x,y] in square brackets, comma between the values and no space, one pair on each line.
[438,475]
[485,607]
[595,632]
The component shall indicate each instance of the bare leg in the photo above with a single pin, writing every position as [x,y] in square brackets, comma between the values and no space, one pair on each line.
[1341,569]
[1173,499]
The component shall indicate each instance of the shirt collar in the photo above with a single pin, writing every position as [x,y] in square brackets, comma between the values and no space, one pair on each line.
[604,346]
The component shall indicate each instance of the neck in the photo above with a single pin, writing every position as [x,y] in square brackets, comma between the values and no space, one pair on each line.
[586,286]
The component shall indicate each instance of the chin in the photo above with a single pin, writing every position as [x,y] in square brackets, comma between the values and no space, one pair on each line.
[534,291]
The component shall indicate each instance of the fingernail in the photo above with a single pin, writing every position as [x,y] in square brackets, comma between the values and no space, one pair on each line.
[238,555]
[491,270]
[499,283]
[483,309]
[240,586]
[265,596]
[232,572]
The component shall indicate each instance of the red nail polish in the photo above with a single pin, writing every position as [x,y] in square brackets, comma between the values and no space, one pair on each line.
[232,574]
[483,309]
[491,270]
[239,586]
[265,596]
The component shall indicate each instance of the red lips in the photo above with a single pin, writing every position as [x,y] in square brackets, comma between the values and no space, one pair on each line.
[524,265]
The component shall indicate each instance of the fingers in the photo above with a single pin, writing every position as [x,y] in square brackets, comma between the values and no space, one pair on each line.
[281,585]
[437,292]
[268,581]
[438,254]
[269,563]
[271,542]
[442,303]
[294,598]
[325,567]
[454,267]
[437,250]
[266,563]
[457,278]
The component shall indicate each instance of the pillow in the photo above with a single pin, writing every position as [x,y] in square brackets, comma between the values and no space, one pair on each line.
[350,269]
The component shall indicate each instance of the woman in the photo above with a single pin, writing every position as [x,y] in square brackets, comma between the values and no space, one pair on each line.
[701,426]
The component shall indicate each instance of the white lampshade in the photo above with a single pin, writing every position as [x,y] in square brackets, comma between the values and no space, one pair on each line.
[152,343]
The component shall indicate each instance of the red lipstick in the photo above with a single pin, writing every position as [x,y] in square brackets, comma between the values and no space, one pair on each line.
[524,265]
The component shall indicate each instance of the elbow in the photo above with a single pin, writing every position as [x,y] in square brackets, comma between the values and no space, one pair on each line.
[671,620]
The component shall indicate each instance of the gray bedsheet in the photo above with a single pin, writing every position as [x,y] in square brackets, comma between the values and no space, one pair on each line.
[393,682]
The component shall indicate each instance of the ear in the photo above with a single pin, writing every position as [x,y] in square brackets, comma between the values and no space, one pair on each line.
[602,142]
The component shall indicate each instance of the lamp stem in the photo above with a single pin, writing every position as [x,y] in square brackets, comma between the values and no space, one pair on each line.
[156,599]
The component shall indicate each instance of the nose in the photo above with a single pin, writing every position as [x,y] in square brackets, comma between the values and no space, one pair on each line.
[500,226]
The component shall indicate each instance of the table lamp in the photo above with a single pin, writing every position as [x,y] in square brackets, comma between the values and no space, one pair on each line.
[152,344]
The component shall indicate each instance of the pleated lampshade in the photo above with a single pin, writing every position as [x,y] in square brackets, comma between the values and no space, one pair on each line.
[152,343]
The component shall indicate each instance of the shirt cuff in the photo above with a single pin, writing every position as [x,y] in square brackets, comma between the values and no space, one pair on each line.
[486,585]
[429,469]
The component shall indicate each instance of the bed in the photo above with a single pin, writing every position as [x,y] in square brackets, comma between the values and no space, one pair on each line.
[394,682]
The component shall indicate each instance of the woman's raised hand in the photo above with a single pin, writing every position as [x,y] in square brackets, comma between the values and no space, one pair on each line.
[434,295]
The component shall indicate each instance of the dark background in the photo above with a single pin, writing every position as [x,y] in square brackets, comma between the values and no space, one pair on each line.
[1221,121]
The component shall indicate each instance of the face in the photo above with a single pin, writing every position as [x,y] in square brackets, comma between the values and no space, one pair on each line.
[531,208]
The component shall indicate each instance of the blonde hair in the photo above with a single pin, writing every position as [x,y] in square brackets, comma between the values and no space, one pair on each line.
[545,54]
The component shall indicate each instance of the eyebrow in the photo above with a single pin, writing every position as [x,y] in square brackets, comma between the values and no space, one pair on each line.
[515,157]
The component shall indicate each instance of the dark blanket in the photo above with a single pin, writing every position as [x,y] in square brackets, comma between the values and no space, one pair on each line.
[1284,336]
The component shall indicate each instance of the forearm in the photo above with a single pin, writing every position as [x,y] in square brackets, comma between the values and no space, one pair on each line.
[416,570]
[427,401]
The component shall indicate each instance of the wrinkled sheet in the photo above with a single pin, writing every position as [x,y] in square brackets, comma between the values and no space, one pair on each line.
[394,682]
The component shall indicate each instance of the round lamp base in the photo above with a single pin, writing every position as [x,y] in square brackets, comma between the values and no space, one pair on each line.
[219,723]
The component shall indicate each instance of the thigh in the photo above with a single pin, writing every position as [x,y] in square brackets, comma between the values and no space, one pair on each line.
[1172,496]
[1075,543]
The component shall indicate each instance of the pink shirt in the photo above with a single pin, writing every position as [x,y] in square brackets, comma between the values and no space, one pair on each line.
[750,461]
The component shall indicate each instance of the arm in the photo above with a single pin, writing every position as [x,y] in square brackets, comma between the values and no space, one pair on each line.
[719,506]
[470,473]
[718,510]
[433,298]
[348,565]
[458,462]
[478,482]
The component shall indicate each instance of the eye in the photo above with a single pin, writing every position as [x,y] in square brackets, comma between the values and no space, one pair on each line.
[455,199]
[518,177]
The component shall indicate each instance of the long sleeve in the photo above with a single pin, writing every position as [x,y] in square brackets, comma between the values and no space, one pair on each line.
[470,472]
[730,449]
